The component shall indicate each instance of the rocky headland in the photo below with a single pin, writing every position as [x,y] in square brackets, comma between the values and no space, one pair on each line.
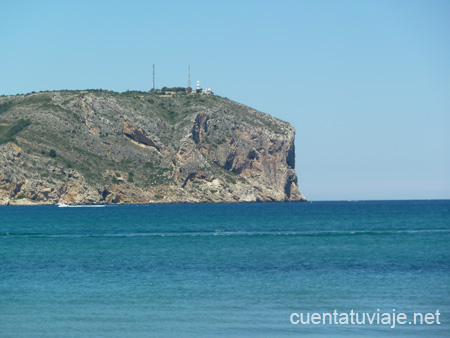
[97,147]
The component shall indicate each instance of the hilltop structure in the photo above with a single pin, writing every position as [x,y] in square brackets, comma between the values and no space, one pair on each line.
[189,88]
[178,90]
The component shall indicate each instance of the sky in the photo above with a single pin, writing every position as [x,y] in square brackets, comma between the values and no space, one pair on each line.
[366,84]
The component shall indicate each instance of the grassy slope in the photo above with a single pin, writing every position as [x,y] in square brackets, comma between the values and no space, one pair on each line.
[42,125]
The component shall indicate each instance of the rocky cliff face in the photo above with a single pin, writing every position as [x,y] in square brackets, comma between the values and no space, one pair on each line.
[103,147]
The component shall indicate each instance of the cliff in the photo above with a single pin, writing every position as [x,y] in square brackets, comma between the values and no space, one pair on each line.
[83,147]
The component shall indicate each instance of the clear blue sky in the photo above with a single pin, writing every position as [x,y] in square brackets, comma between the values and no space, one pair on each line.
[366,84]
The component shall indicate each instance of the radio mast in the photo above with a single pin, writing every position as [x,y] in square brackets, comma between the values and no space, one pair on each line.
[153,87]
[189,89]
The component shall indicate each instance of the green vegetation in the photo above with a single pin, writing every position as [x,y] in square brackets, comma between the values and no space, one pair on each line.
[176,90]
[4,107]
[18,126]
[86,129]
[36,99]
[154,176]
[50,106]
[8,133]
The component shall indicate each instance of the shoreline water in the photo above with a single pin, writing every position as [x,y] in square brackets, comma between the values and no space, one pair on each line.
[238,202]
[159,203]
[223,270]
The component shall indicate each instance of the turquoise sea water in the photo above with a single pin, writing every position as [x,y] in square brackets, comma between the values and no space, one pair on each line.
[225,270]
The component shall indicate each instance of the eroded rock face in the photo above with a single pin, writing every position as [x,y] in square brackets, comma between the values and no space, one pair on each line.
[262,158]
[141,148]
[139,135]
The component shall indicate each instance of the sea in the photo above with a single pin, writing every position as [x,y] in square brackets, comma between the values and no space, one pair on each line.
[226,270]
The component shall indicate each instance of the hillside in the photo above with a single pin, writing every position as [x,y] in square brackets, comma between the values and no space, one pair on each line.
[137,147]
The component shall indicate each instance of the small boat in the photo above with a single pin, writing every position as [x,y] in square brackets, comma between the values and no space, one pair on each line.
[64,205]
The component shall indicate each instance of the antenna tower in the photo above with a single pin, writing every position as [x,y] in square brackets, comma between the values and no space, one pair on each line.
[189,89]
[153,87]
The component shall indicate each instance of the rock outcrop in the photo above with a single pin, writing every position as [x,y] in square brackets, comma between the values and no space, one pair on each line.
[136,147]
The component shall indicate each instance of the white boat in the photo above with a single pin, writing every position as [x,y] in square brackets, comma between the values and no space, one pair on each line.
[61,205]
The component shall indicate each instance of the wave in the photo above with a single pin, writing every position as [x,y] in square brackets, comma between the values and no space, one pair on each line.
[333,233]
[84,206]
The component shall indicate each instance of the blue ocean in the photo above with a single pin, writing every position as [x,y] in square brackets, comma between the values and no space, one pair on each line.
[223,270]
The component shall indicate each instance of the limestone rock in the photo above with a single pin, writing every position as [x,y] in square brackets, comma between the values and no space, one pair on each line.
[83,147]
